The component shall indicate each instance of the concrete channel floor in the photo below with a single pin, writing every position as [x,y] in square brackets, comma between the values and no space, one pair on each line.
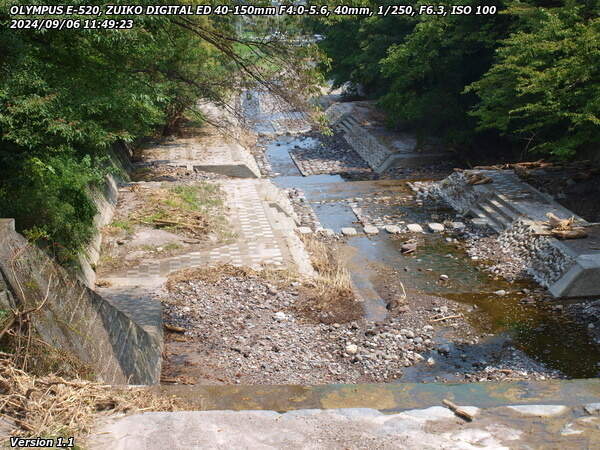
[523,426]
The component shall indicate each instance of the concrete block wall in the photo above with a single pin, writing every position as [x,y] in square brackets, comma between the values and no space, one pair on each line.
[380,148]
[365,144]
[74,318]
[105,198]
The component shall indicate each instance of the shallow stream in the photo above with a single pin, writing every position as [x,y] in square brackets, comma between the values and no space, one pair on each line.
[541,333]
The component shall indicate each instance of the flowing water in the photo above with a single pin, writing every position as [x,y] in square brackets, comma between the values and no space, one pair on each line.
[541,333]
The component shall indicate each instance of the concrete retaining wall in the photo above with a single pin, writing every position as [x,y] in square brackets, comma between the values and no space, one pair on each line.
[361,126]
[74,318]
[105,199]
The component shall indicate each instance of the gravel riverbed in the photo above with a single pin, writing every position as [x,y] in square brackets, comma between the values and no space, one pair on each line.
[243,328]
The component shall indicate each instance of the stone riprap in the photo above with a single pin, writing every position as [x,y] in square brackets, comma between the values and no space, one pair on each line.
[305,215]
[514,209]
[330,156]
[75,319]
[382,149]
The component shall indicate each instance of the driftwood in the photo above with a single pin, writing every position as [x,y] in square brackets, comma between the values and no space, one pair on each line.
[457,410]
[174,329]
[477,178]
[559,224]
[563,228]
[575,233]
[455,316]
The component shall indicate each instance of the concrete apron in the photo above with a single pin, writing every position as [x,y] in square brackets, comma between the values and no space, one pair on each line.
[555,414]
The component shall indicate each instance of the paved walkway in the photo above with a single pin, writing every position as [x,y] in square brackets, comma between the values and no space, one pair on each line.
[262,237]
[260,219]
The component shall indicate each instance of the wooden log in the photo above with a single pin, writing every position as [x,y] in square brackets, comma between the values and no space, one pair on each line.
[457,410]
[174,328]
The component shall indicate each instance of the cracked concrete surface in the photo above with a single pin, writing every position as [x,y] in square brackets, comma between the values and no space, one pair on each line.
[353,428]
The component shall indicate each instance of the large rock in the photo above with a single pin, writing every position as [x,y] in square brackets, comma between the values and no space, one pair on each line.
[370,229]
[349,231]
[435,227]
[414,228]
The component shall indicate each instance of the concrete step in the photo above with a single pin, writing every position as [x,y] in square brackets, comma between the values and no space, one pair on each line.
[504,213]
[480,214]
[505,202]
[345,126]
[491,213]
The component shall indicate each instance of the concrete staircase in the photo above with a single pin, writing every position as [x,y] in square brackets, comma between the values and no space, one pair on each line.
[506,199]
[495,211]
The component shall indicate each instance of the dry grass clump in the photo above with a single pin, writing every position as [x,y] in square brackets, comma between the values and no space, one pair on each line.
[53,406]
[334,277]
[209,274]
[193,210]
[332,298]
[214,274]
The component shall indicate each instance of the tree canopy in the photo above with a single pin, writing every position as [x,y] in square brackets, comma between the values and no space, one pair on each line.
[523,80]
[66,97]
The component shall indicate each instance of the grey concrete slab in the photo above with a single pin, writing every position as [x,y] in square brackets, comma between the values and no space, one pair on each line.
[355,428]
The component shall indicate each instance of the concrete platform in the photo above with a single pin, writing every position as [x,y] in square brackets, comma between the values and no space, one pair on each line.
[506,200]
[216,156]
[552,414]
[543,426]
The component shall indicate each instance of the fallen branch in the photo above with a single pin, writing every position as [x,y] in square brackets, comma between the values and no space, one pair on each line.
[455,316]
[174,328]
[457,410]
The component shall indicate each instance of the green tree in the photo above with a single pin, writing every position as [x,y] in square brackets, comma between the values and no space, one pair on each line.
[543,90]
[66,97]
[429,70]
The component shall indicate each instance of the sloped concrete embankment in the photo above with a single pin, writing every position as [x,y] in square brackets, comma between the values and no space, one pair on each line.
[105,199]
[382,149]
[73,318]
[514,209]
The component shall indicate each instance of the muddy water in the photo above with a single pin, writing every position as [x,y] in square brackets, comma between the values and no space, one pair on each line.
[538,332]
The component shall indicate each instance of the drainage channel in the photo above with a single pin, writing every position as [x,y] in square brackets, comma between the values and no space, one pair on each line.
[376,263]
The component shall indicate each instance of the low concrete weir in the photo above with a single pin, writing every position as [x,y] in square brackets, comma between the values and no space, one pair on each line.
[568,268]
[390,398]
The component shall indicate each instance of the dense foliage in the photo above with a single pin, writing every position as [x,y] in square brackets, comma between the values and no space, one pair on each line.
[66,97]
[526,79]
